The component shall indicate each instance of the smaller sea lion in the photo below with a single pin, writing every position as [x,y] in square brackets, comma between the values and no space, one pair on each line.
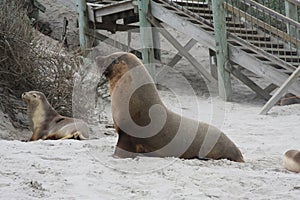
[291,160]
[289,99]
[46,123]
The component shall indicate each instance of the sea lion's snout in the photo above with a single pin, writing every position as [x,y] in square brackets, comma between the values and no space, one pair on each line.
[107,64]
[29,96]
[25,97]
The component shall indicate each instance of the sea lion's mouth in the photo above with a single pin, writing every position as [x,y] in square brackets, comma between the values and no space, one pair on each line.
[107,72]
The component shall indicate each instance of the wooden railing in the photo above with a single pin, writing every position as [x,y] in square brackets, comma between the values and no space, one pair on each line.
[266,19]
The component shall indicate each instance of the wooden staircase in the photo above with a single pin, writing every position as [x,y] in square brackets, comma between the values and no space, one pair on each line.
[249,47]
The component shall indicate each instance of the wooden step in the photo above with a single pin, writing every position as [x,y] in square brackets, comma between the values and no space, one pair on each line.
[210,17]
[234,24]
[277,67]
[253,37]
[272,64]
[190,3]
[201,10]
[241,30]
[290,58]
[268,44]
[279,51]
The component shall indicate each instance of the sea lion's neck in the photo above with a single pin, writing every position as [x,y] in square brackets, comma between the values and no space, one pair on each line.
[39,114]
[113,82]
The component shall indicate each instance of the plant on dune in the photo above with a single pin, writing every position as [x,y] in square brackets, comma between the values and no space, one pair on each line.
[27,64]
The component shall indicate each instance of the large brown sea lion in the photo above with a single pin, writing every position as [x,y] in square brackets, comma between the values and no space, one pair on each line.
[46,123]
[291,160]
[145,126]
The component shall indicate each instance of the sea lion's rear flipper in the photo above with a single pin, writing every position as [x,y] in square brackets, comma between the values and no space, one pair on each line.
[75,135]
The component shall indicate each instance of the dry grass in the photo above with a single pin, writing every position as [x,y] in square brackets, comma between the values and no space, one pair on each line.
[26,65]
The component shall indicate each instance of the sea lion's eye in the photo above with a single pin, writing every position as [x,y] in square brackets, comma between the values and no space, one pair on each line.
[115,61]
[34,95]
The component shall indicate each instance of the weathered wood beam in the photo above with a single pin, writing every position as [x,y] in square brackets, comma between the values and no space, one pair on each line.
[247,81]
[178,56]
[270,88]
[83,25]
[280,92]
[96,12]
[182,50]
[224,82]
[146,37]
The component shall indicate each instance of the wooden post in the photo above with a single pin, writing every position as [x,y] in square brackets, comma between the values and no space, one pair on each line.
[279,93]
[146,37]
[83,25]
[291,12]
[224,82]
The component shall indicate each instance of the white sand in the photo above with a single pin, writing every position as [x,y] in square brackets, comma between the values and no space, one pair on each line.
[86,169]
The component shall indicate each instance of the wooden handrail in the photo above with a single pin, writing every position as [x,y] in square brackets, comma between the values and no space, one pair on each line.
[281,34]
[271,12]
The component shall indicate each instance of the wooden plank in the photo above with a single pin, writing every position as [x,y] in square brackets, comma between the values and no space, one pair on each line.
[146,37]
[181,50]
[280,92]
[178,56]
[244,79]
[113,8]
[270,88]
[224,82]
[97,11]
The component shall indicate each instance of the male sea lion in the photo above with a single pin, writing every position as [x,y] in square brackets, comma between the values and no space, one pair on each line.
[291,160]
[143,123]
[46,123]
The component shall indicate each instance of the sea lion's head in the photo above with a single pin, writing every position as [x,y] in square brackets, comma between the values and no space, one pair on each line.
[117,64]
[123,69]
[33,98]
